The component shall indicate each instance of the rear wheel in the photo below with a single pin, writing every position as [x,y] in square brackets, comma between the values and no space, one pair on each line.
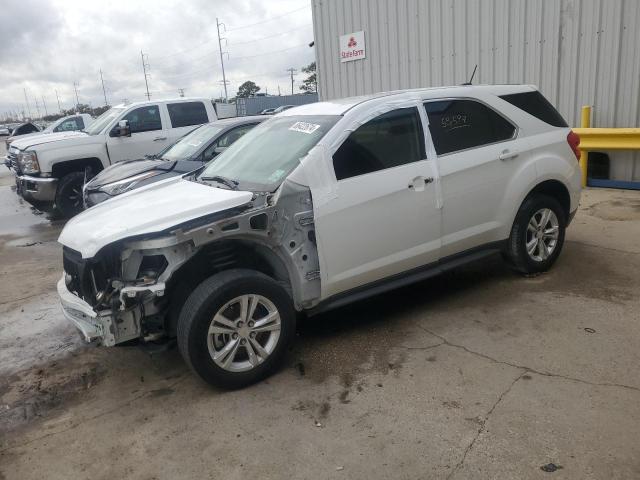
[69,194]
[537,235]
[235,327]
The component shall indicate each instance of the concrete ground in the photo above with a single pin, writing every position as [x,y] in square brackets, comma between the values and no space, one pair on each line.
[476,374]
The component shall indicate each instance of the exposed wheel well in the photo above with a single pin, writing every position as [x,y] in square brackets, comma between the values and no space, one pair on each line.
[217,257]
[61,169]
[557,190]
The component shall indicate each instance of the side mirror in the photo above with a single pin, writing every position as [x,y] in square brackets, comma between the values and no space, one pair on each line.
[121,130]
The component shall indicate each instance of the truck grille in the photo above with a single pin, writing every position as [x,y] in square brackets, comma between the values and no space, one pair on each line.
[13,160]
[87,277]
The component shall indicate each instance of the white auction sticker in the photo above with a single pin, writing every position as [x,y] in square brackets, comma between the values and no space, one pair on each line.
[304,127]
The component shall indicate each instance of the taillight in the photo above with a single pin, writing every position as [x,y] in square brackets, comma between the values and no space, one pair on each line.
[574,142]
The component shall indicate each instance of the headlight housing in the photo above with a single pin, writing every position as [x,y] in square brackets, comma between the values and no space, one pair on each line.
[29,162]
[126,184]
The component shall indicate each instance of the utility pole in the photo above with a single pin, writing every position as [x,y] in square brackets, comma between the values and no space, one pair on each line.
[293,72]
[224,78]
[181,92]
[26,101]
[144,70]
[58,98]
[75,88]
[46,114]
[278,90]
[37,108]
[103,89]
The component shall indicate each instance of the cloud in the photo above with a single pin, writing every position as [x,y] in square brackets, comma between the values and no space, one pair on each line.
[49,45]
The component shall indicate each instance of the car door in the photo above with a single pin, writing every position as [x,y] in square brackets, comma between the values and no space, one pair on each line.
[148,135]
[478,153]
[384,218]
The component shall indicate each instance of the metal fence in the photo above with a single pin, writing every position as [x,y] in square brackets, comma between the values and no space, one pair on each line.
[253,105]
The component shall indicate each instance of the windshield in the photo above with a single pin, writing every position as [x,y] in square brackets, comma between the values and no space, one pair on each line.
[192,142]
[53,125]
[103,120]
[262,158]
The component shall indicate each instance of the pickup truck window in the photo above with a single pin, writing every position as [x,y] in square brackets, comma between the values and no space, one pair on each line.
[104,121]
[185,114]
[392,139]
[144,119]
[70,124]
[460,124]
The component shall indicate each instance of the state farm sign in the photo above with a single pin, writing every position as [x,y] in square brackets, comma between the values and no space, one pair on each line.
[352,46]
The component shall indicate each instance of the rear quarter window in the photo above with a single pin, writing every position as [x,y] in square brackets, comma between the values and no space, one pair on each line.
[535,104]
[186,114]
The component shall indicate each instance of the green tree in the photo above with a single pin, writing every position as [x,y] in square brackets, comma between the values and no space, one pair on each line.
[247,89]
[310,84]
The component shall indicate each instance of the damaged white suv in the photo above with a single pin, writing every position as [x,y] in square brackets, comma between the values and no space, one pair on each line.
[320,206]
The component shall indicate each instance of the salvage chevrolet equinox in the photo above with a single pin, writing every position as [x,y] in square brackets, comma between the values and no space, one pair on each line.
[320,206]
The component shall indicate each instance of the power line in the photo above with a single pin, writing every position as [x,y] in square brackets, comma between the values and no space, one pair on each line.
[271,36]
[46,114]
[267,19]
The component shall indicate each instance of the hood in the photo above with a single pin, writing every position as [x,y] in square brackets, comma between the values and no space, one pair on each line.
[149,210]
[23,142]
[128,168]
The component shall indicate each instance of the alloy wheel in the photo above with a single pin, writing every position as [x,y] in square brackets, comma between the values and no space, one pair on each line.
[543,231]
[244,333]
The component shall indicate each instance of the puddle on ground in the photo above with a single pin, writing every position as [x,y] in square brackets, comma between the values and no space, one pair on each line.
[617,210]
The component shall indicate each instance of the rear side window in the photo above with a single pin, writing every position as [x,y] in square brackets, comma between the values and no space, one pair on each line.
[535,104]
[144,119]
[392,139]
[461,124]
[187,113]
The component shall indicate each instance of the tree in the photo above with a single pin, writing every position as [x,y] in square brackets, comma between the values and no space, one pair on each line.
[310,84]
[247,89]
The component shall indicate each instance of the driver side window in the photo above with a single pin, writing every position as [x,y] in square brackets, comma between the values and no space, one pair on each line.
[389,140]
[144,119]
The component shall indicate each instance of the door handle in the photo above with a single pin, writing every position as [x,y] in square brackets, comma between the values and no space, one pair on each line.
[506,155]
[159,139]
[419,183]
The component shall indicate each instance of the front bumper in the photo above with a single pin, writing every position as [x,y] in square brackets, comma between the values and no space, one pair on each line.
[91,324]
[37,189]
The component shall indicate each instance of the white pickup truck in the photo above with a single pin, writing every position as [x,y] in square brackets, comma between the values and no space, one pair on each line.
[51,169]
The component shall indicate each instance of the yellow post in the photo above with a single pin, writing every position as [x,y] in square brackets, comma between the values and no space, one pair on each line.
[584,155]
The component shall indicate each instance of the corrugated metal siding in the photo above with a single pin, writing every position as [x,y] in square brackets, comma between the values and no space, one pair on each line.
[578,52]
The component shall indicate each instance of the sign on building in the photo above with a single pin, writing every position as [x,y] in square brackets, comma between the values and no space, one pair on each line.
[352,46]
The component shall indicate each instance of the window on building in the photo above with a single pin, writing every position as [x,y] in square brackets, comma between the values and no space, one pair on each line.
[185,114]
[461,124]
[392,139]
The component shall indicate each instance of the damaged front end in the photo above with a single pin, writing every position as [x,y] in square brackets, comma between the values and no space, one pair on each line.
[134,287]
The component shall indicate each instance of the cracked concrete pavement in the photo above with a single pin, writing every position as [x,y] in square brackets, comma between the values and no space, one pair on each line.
[479,373]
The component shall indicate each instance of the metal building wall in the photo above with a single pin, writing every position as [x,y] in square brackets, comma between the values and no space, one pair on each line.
[578,52]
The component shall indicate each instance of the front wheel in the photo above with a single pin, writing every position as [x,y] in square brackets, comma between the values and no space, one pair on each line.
[537,235]
[235,327]
[69,194]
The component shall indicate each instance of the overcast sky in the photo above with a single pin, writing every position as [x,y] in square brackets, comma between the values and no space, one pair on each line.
[47,45]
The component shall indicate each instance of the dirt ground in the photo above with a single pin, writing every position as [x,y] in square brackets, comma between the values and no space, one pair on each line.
[479,374]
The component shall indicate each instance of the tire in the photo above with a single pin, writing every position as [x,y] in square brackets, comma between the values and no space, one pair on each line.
[220,296]
[69,194]
[526,231]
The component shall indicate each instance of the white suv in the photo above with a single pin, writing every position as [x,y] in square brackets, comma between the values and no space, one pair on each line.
[322,205]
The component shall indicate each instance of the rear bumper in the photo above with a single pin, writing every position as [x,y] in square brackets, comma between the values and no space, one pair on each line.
[37,189]
[92,325]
